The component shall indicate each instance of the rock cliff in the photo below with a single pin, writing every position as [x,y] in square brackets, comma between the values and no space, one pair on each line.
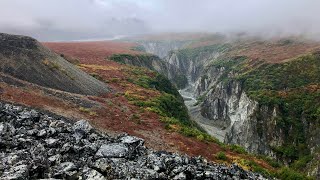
[154,63]
[240,102]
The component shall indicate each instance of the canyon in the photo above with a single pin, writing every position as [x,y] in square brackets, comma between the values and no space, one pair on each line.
[246,101]
[219,99]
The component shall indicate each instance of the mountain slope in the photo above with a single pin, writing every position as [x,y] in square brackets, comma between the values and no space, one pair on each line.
[146,107]
[25,58]
[260,94]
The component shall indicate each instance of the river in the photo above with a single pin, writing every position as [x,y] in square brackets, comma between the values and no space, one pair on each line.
[195,112]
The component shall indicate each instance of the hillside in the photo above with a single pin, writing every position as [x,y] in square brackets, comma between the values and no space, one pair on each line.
[153,109]
[26,59]
[140,102]
[260,94]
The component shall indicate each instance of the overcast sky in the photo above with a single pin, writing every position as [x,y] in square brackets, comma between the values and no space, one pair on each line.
[85,19]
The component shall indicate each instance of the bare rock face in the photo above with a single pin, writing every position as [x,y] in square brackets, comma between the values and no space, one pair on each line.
[26,59]
[34,145]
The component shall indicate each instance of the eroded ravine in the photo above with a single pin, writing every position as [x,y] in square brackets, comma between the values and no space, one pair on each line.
[190,100]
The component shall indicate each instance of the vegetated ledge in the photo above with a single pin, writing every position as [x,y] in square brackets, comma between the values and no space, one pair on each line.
[35,146]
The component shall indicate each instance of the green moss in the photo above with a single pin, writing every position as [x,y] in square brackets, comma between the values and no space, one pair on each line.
[301,163]
[255,167]
[166,105]
[221,156]
[237,149]
[289,174]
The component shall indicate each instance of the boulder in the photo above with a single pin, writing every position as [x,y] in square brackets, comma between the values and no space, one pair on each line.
[113,150]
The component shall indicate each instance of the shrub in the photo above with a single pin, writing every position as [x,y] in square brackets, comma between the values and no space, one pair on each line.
[221,156]
[301,162]
[237,149]
[88,111]
[288,174]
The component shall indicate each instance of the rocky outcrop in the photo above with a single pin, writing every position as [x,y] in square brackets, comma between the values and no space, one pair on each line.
[154,63]
[34,145]
[26,59]
[228,107]
[190,67]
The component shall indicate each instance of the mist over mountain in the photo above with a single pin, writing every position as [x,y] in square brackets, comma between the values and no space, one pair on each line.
[68,20]
[214,89]
[88,19]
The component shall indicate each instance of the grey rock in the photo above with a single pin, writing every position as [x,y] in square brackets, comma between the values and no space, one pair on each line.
[2,128]
[16,172]
[103,165]
[42,132]
[132,141]
[67,166]
[82,128]
[55,159]
[48,149]
[66,147]
[66,170]
[51,142]
[91,174]
[116,150]
[180,176]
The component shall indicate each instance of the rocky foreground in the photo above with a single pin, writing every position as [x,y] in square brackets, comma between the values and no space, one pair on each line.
[34,145]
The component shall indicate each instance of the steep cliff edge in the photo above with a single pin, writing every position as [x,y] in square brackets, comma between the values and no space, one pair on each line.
[268,108]
[154,63]
[26,59]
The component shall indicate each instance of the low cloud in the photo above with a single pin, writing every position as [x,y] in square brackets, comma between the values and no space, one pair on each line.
[81,19]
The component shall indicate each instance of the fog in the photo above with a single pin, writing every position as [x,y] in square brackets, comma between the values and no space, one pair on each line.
[50,20]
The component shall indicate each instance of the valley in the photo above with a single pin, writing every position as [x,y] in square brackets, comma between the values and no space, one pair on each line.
[159,89]
[262,95]
[217,98]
